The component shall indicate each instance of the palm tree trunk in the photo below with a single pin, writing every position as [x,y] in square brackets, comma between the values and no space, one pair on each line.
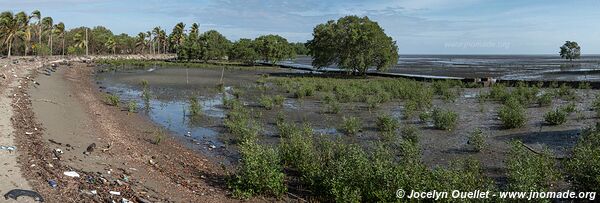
[51,51]
[9,48]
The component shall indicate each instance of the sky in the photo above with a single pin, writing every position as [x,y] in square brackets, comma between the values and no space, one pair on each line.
[418,26]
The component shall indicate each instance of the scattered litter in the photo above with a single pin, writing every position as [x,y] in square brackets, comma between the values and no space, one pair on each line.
[125,201]
[212,146]
[91,147]
[71,174]
[94,192]
[59,151]
[114,193]
[16,193]
[151,162]
[8,148]
[28,133]
[52,183]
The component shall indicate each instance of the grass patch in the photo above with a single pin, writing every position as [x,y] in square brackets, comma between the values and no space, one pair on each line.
[112,100]
[476,140]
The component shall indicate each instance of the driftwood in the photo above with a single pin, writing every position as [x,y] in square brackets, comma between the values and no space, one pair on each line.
[540,153]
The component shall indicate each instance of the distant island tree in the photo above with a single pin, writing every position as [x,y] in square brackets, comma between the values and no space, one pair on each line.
[352,43]
[570,50]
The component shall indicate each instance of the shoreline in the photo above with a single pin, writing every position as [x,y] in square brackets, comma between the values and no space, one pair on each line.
[174,173]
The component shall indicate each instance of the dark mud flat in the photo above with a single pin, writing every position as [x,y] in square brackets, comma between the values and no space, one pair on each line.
[507,67]
[439,147]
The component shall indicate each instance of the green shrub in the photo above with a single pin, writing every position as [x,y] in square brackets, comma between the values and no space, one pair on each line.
[446,89]
[410,133]
[424,116]
[259,173]
[569,108]
[304,91]
[584,85]
[387,126]
[529,171]
[239,123]
[132,106]
[351,125]
[583,167]
[159,135]
[444,119]
[512,115]
[194,108]
[476,140]
[555,117]
[278,100]
[112,99]
[266,102]
[499,92]
[565,92]
[524,94]
[465,174]
[596,105]
[545,99]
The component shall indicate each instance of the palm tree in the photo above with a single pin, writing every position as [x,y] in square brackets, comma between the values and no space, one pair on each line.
[79,41]
[156,33]
[177,36]
[38,16]
[140,41]
[48,25]
[111,44]
[25,32]
[163,40]
[60,31]
[10,26]
[195,30]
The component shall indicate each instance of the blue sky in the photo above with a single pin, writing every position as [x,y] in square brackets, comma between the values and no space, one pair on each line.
[418,26]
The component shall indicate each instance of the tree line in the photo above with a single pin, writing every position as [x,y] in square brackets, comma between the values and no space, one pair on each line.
[354,43]
[28,34]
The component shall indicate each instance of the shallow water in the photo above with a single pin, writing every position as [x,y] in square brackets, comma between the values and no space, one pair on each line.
[508,67]
[172,113]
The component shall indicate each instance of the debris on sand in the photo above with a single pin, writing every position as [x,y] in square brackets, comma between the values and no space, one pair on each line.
[71,174]
[16,193]
[91,147]
[8,148]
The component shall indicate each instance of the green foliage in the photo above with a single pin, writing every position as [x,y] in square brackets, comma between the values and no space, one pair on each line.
[331,104]
[512,114]
[112,99]
[556,117]
[584,85]
[42,49]
[387,126]
[352,43]
[351,125]
[132,106]
[194,108]
[545,99]
[444,119]
[259,173]
[528,171]
[243,51]
[584,166]
[570,50]
[159,135]
[304,91]
[499,92]
[273,48]
[410,133]
[446,89]
[266,102]
[566,92]
[239,123]
[476,140]
[299,48]
[213,45]
[524,94]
